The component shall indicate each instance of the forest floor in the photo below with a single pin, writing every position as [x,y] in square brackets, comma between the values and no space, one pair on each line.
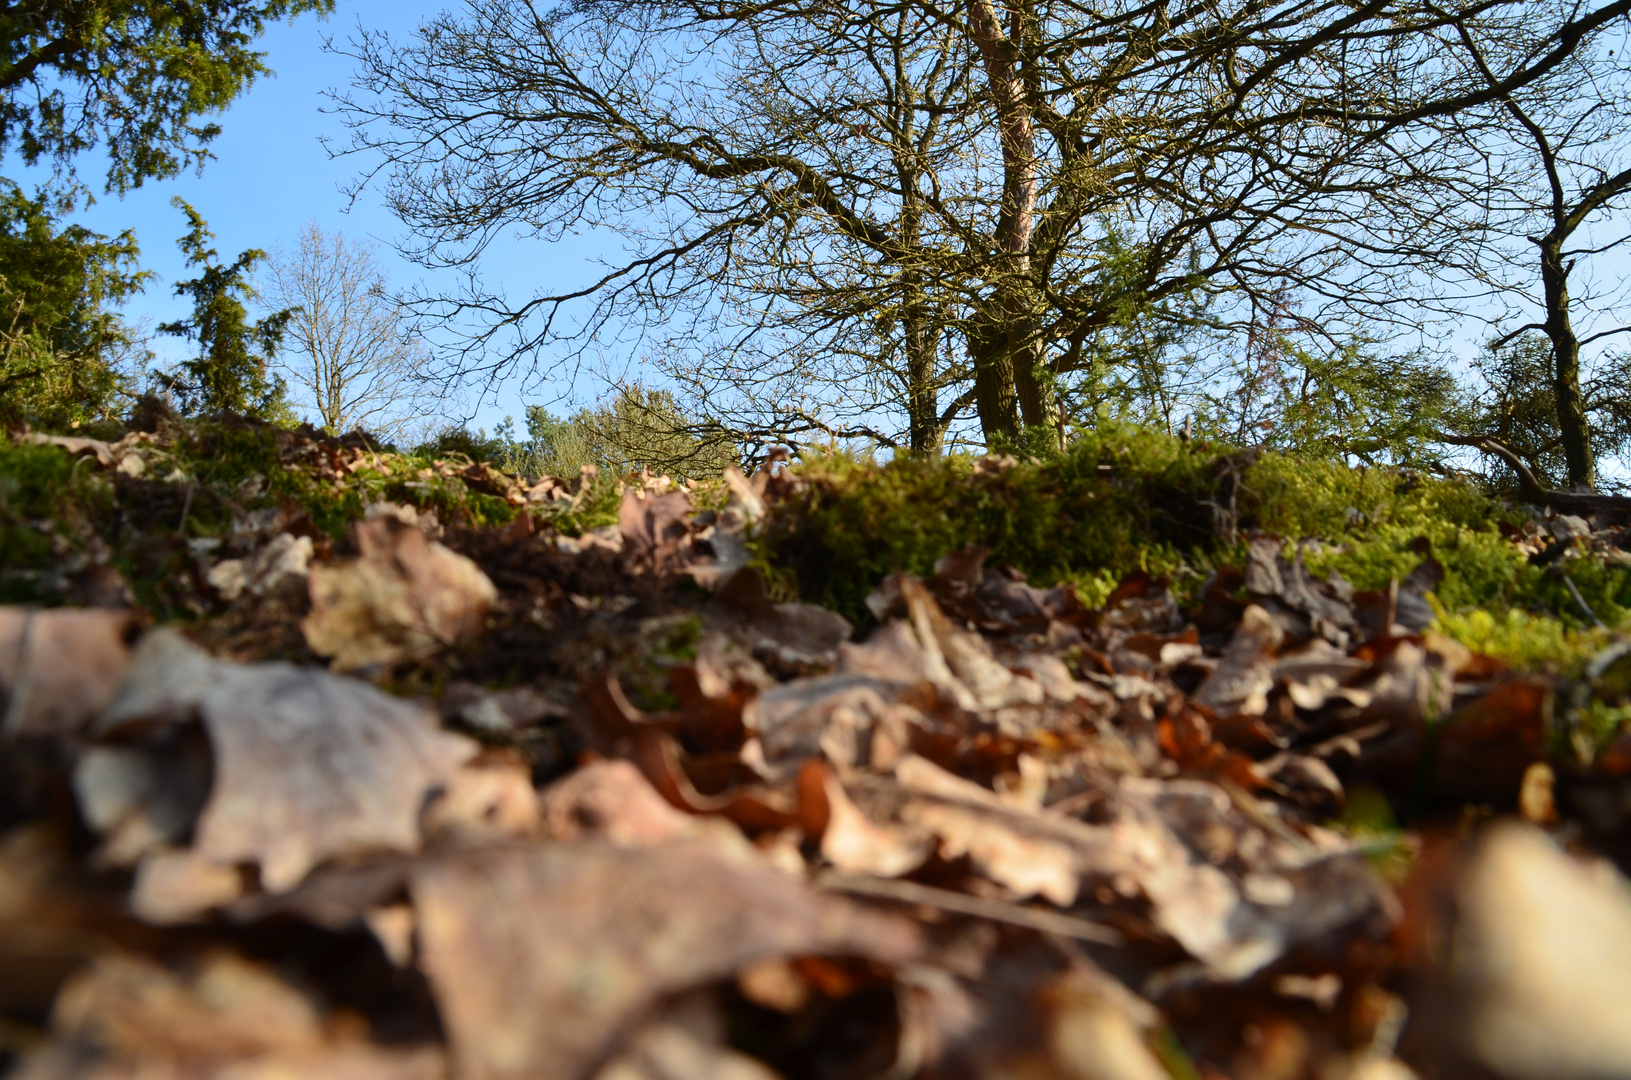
[321,761]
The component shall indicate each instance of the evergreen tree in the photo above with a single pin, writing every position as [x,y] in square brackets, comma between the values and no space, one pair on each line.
[60,342]
[136,78]
[230,371]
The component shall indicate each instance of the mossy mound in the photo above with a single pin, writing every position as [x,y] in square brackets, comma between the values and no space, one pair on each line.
[1125,499]
[202,479]
[1120,500]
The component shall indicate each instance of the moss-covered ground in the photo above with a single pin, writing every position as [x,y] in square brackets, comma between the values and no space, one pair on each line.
[1121,499]
[1125,499]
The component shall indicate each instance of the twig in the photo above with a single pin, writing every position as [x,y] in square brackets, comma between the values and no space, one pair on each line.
[910,892]
[1580,601]
[23,684]
[186,505]
[1255,812]
[1530,487]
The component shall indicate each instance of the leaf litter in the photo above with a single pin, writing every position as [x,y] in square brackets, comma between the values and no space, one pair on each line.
[606,807]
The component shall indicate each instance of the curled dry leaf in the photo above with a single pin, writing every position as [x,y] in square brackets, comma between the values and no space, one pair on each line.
[283,557]
[407,597]
[1541,967]
[612,800]
[961,659]
[1245,675]
[794,636]
[306,765]
[831,714]
[586,937]
[656,530]
[854,844]
[685,1042]
[124,455]
[1235,895]
[59,668]
[1300,605]
[129,1017]
[727,534]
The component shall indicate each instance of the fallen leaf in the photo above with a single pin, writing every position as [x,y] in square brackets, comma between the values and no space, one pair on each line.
[490,796]
[685,1042]
[1245,674]
[406,598]
[855,845]
[589,936]
[1301,605]
[656,531]
[225,1019]
[831,714]
[306,765]
[59,668]
[1541,967]
[796,637]
[611,800]
[1483,749]
[283,557]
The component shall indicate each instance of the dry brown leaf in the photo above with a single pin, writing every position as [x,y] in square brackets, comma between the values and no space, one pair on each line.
[831,714]
[685,1042]
[1234,894]
[174,886]
[1541,968]
[490,796]
[61,667]
[891,652]
[123,455]
[798,637]
[1245,675]
[962,660]
[611,800]
[333,897]
[144,797]
[226,1019]
[1484,748]
[306,765]
[1319,673]
[283,557]
[407,597]
[539,956]
[854,844]
[1028,865]
[656,530]
[1096,1033]
[1298,603]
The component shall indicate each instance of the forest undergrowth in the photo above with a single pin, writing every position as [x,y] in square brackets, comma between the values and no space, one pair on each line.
[1149,758]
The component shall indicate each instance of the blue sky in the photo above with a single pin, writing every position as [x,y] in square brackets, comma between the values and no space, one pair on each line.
[272,175]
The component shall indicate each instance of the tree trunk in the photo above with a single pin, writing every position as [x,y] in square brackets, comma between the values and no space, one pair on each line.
[1571,407]
[994,399]
[1012,309]
[922,402]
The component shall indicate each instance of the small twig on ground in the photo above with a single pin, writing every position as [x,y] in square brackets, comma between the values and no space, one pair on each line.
[186,507]
[910,892]
[1580,602]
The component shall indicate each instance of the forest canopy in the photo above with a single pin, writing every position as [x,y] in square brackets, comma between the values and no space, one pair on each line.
[966,223]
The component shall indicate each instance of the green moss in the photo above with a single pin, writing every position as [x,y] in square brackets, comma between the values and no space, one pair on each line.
[1524,640]
[229,457]
[1121,499]
[1124,499]
[48,505]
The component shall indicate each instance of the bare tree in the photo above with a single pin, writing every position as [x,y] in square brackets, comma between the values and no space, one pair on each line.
[1551,168]
[967,197]
[356,354]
